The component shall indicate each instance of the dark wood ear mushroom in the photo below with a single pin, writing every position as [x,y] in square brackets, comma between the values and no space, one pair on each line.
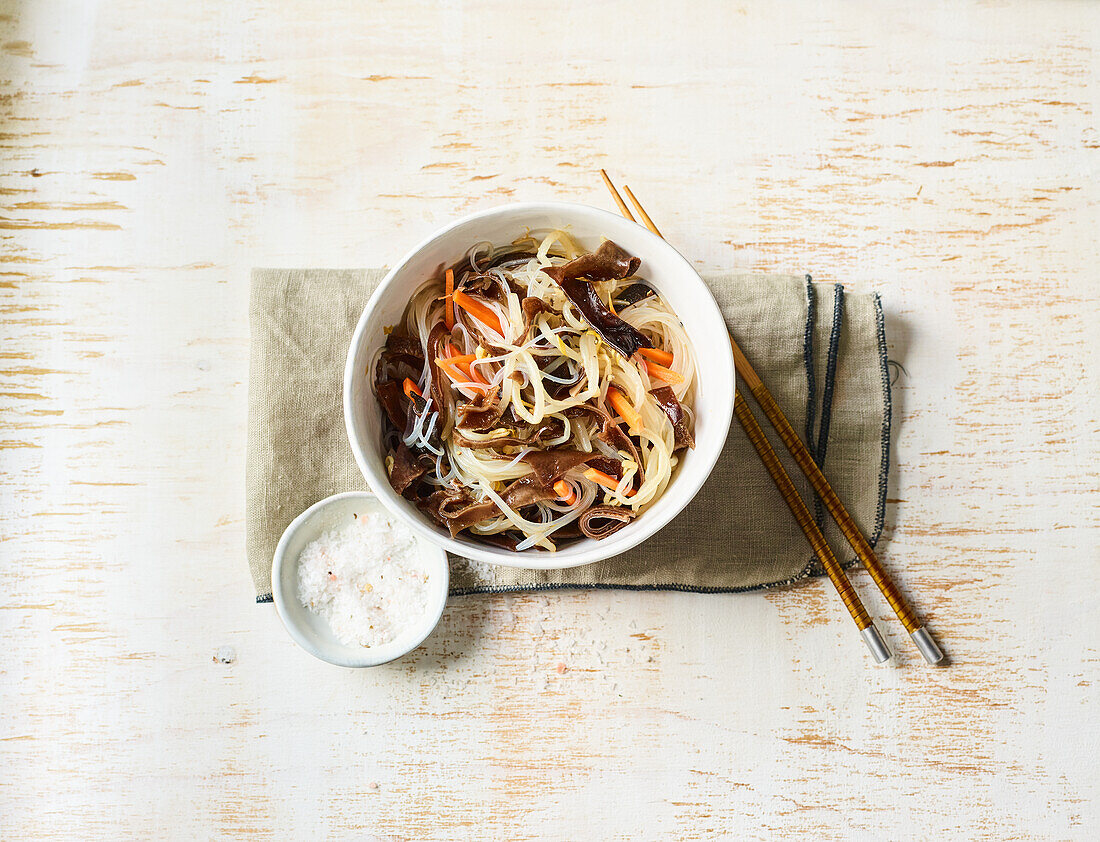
[607,263]
[601,521]
[666,399]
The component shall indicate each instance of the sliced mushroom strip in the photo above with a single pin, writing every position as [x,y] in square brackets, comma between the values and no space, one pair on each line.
[456,509]
[389,395]
[608,262]
[633,294]
[526,491]
[666,399]
[550,465]
[438,385]
[623,337]
[548,429]
[405,349]
[480,414]
[468,515]
[407,468]
[601,521]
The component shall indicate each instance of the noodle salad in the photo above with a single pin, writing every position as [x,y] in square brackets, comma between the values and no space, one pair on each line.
[535,393]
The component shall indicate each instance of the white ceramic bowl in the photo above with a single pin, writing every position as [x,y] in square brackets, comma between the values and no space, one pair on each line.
[662,267]
[309,630]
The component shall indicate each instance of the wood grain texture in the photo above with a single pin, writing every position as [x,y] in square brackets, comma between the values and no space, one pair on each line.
[944,153]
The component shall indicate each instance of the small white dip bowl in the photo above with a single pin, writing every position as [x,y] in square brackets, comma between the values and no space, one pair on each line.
[310,631]
[664,268]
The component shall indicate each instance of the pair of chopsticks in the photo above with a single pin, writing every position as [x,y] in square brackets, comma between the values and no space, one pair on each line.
[871,636]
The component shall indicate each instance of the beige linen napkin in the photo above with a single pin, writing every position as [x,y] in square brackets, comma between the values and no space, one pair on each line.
[821,352]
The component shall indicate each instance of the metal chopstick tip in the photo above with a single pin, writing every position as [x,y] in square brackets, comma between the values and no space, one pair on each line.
[879,650]
[927,645]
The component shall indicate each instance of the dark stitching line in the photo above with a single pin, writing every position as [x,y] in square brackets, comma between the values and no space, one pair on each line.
[827,393]
[830,375]
[887,419]
[808,358]
[811,384]
[605,586]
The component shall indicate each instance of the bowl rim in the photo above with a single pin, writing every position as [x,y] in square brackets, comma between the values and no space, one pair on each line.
[721,414]
[387,650]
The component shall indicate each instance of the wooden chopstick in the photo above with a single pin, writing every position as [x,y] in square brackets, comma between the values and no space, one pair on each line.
[919,633]
[623,209]
[782,480]
[645,216]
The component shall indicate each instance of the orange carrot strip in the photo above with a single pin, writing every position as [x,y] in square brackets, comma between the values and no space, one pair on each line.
[478,310]
[476,375]
[458,367]
[464,366]
[454,372]
[622,406]
[662,373]
[460,362]
[565,491]
[447,363]
[411,389]
[658,356]
[606,480]
[461,378]
[449,310]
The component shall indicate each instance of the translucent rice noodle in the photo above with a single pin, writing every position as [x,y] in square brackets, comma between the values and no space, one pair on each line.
[539,371]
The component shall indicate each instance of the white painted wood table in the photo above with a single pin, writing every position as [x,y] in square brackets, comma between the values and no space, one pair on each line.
[945,154]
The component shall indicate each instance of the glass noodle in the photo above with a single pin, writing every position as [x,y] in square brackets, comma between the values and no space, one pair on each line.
[555,385]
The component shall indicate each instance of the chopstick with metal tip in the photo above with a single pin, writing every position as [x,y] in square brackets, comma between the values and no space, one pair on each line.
[879,651]
[919,633]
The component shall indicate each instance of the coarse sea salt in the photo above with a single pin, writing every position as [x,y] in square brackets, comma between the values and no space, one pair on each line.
[366,580]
